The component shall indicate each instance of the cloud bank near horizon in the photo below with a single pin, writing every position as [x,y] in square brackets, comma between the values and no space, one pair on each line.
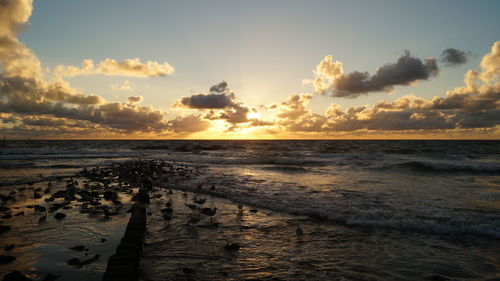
[33,105]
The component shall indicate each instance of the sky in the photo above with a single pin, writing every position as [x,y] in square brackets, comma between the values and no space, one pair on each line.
[249,69]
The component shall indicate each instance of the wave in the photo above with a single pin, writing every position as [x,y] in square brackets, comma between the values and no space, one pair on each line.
[341,211]
[291,169]
[436,166]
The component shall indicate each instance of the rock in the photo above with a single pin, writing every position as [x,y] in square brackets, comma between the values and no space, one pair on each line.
[75,262]
[4,259]
[9,247]
[60,194]
[19,214]
[39,208]
[103,240]
[4,209]
[4,228]
[253,210]
[232,247]
[59,216]
[15,276]
[6,216]
[6,198]
[78,248]
[187,270]
[110,195]
[167,210]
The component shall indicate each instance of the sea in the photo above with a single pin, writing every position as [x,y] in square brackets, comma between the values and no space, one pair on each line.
[371,209]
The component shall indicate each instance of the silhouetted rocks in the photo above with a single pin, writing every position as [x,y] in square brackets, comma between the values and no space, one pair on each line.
[5,259]
[110,195]
[4,209]
[4,228]
[124,264]
[79,248]
[232,247]
[15,276]
[187,270]
[9,247]
[59,216]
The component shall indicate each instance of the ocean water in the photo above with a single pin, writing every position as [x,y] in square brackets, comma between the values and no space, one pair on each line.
[399,210]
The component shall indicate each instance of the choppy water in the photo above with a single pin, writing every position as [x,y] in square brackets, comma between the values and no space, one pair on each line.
[434,205]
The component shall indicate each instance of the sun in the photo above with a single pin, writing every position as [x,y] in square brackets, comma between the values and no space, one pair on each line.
[253,115]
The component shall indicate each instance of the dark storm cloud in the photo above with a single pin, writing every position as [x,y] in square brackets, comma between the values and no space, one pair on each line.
[405,71]
[219,88]
[453,57]
[203,101]
[330,78]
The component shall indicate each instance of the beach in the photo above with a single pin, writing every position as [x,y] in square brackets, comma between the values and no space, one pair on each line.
[285,210]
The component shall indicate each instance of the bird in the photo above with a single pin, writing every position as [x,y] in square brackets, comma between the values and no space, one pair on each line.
[299,230]
[192,207]
[42,219]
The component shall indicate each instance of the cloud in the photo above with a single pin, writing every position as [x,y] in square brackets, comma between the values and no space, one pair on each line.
[16,59]
[330,78]
[206,101]
[191,124]
[128,67]
[475,105]
[453,57]
[37,105]
[126,86]
[219,88]
[221,104]
[135,99]
[490,64]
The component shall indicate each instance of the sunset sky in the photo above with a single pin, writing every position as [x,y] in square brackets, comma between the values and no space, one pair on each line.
[249,69]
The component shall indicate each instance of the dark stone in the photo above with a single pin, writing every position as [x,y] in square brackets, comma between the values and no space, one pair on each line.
[39,208]
[6,197]
[78,248]
[4,259]
[6,216]
[4,228]
[54,207]
[9,247]
[15,276]
[232,247]
[60,194]
[4,209]
[60,216]
[167,210]
[187,270]
[110,195]
[103,240]
[75,262]
[253,210]
[19,214]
